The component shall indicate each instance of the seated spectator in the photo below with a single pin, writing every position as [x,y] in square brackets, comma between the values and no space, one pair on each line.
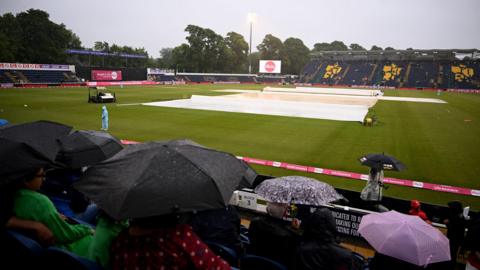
[9,221]
[32,205]
[319,248]
[416,211]
[219,225]
[472,243]
[162,242]
[69,201]
[382,262]
[273,237]
[106,231]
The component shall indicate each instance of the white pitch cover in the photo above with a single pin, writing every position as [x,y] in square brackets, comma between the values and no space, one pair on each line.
[270,107]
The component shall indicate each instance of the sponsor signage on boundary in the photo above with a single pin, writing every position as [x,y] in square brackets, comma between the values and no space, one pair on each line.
[347,221]
[6,85]
[357,176]
[364,177]
[106,75]
[21,66]
[122,83]
[470,91]
[270,66]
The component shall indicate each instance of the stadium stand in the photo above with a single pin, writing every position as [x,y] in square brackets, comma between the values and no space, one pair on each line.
[329,73]
[358,73]
[395,69]
[42,76]
[415,69]
[33,74]
[422,74]
[201,77]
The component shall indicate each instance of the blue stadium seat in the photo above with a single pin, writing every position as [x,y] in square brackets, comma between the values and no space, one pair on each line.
[359,260]
[60,259]
[253,262]
[26,242]
[22,252]
[226,253]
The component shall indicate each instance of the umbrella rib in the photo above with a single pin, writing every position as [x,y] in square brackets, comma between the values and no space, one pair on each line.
[131,184]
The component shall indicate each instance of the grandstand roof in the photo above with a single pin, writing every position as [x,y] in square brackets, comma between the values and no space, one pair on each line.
[101,53]
[398,55]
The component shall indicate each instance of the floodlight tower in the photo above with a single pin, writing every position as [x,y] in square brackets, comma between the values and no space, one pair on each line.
[251,18]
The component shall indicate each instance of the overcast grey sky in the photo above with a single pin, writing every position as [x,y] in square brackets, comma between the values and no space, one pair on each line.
[421,24]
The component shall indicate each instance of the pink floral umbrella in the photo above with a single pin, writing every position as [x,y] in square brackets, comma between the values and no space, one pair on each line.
[405,237]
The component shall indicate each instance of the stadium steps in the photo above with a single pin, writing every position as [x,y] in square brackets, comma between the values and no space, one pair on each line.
[12,77]
[315,73]
[22,77]
[345,72]
[370,77]
[439,80]
[407,75]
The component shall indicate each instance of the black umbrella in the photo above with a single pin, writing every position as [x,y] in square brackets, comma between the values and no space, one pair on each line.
[28,146]
[87,147]
[158,178]
[382,162]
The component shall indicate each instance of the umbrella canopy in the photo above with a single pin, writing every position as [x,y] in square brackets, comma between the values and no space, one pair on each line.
[158,178]
[87,147]
[382,162]
[28,146]
[405,237]
[298,190]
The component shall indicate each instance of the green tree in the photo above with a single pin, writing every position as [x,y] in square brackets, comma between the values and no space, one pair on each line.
[237,53]
[166,58]
[101,46]
[296,55]
[318,47]
[43,40]
[31,37]
[338,46]
[207,49]
[10,38]
[255,58]
[334,46]
[376,48]
[389,49]
[270,48]
[356,47]
[117,60]
[152,62]
[181,58]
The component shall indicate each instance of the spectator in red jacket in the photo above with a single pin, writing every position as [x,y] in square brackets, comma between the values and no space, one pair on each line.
[416,211]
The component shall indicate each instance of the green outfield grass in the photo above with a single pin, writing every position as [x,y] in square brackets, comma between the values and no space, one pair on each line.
[439,143]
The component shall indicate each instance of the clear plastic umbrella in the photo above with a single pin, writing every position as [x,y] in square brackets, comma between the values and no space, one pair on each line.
[298,190]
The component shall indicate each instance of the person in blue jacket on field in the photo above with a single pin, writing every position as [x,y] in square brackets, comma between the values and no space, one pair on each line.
[104,118]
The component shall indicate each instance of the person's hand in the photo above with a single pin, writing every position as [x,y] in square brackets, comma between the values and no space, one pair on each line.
[43,234]
[296,223]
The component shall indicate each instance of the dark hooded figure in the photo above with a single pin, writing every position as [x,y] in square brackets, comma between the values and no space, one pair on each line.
[456,225]
[319,248]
